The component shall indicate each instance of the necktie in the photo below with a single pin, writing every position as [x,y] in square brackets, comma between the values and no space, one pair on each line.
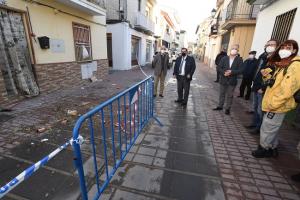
[180,66]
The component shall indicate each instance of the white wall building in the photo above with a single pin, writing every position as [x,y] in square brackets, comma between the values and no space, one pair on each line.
[287,15]
[130,28]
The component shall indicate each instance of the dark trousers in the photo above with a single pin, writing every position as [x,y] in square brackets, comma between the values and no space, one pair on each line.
[183,88]
[226,94]
[258,113]
[218,74]
[246,83]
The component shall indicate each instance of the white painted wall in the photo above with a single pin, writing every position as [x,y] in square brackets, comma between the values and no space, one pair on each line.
[121,45]
[266,20]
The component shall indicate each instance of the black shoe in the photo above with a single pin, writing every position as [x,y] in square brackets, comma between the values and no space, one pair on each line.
[161,95]
[255,132]
[247,98]
[250,127]
[261,152]
[218,108]
[178,101]
[216,81]
[275,153]
[240,96]
[5,110]
[183,105]
[227,112]
[296,177]
[154,95]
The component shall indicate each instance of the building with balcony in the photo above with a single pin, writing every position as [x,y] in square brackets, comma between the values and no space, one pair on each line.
[130,30]
[53,44]
[233,22]
[167,29]
[277,20]
[238,21]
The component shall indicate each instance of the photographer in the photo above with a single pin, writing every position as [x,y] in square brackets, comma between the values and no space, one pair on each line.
[279,96]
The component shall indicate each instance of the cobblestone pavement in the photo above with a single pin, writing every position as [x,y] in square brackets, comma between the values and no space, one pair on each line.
[198,154]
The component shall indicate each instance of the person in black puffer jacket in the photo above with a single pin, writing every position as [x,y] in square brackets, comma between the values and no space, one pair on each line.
[250,67]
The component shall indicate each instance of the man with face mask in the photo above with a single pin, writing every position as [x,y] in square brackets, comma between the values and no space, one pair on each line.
[229,67]
[160,64]
[184,69]
[258,86]
[250,66]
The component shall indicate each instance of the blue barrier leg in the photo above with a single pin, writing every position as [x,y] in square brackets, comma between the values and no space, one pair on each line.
[104,143]
[130,121]
[119,123]
[94,151]
[112,134]
[125,122]
[79,166]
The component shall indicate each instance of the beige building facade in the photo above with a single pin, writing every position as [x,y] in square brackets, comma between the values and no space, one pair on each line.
[64,43]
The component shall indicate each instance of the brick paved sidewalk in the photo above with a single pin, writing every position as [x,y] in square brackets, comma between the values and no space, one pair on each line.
[203,154]
[243,176]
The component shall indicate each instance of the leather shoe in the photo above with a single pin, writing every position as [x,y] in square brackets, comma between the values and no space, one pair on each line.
[161,95]
[227,112]
[296,177]
[178,101]
[154,95]
[183,104]
[250,126]
[218,108]
[255,132]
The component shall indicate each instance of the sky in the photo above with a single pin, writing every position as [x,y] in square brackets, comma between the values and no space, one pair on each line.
[191,13]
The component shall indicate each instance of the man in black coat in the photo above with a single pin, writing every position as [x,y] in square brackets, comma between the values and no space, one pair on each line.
[229,67]
[184,69]
[217,61]
[250,67]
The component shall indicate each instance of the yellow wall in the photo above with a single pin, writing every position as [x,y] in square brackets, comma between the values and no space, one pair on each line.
[56,25]
[242,35]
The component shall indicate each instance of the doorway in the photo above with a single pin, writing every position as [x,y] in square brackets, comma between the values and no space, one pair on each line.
[15,62]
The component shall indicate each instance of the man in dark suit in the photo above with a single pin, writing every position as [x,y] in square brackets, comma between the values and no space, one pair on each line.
[184,69]
[229,67]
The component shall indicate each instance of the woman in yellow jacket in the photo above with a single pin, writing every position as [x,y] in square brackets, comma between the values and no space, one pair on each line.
[279,96]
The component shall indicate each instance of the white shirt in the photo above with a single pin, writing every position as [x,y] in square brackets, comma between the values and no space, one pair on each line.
[231,61]
[182,73]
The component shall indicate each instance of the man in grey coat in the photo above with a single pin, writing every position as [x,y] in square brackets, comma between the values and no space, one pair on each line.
[229,67]
[160,64]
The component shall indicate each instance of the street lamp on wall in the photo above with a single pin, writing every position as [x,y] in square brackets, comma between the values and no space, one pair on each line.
[213,12]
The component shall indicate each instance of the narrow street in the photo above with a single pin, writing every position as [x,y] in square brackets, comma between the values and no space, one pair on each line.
[198,154]
[203,154]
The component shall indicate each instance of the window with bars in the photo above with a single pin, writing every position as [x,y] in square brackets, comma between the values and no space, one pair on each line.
[82,42]
[283,25]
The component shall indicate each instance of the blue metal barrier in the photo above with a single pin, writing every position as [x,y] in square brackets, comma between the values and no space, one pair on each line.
[33,168]
[113,127]
[134,106]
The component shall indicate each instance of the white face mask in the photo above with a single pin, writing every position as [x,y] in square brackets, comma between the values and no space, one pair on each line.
[283,53]
[233,52]
[270,49]
[251,56]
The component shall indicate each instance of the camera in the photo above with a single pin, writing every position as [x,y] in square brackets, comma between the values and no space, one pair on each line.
[270,82]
